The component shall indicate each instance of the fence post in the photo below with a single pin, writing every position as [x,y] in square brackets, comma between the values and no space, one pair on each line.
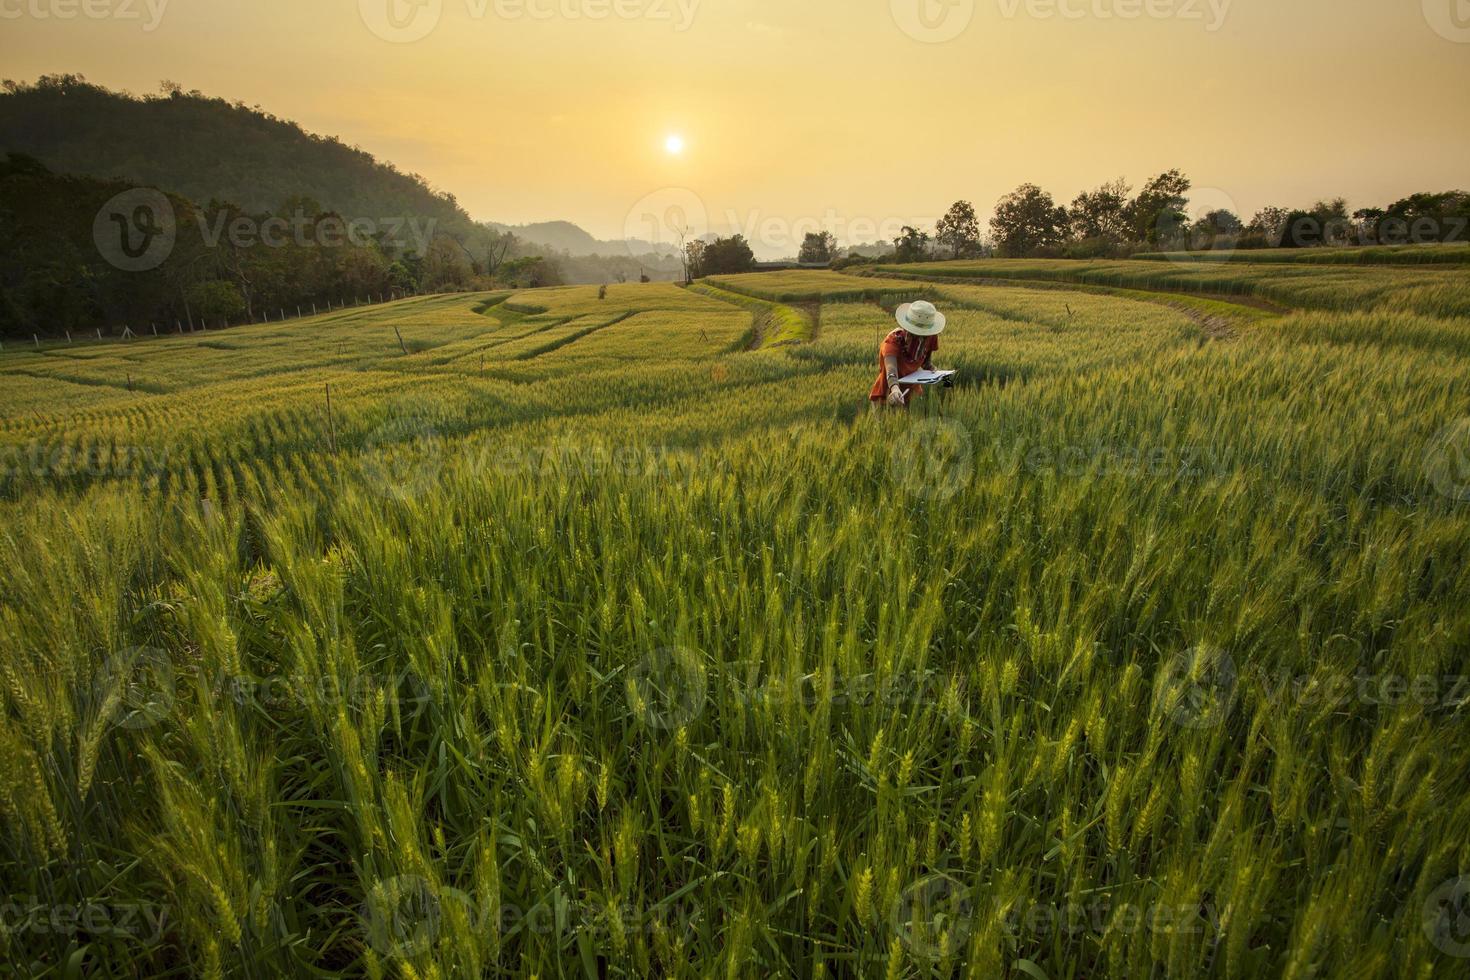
[99,333]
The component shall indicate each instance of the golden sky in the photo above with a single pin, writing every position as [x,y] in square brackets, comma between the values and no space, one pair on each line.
[855,114]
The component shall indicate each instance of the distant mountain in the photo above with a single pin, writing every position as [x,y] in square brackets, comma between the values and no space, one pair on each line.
[205,149]
[563,236]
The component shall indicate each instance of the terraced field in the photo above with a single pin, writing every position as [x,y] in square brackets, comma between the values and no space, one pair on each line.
[1438,291]
[549,635]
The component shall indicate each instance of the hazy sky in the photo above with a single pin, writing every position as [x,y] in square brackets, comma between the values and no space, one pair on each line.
[856,114]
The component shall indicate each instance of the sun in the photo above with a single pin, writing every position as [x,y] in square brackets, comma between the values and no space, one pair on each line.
[674,144]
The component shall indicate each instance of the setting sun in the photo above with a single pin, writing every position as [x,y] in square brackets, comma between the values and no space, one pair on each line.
[674,144]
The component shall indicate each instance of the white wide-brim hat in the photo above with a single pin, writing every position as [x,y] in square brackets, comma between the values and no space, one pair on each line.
[920,319]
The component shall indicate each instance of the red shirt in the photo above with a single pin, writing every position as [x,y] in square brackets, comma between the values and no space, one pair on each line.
[912,351]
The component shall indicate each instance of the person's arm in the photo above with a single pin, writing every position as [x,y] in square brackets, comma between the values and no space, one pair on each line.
[890,374]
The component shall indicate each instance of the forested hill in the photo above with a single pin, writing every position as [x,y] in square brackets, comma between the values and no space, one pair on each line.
[206,149]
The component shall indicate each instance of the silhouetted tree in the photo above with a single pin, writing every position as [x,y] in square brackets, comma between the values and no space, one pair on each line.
[1101,214]
[818,247]
[1027,220]
[959,230]
[911,245]
[1157,214]
[725,256]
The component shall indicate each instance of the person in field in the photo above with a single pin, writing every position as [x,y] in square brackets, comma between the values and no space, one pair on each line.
[905,351]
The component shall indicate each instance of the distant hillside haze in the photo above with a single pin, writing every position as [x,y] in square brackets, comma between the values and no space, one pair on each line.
[208,149]
[563,236]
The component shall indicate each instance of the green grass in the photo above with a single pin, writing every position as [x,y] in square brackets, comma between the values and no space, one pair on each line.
[774,324]
[641,654]
[807,286]
[1366,255]
[1434,291]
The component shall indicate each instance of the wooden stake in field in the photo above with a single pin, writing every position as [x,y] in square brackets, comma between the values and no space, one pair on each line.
[401,344]
[68,336]
[99,333]
[37,340]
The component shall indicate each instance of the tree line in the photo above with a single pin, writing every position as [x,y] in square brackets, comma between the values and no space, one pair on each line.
[66,267]
[72,258]
[1111,221]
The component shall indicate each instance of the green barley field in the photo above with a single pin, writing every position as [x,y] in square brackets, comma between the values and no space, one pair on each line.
[616,637]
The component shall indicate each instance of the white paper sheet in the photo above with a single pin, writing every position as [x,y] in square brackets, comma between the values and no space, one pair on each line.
[922,377]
